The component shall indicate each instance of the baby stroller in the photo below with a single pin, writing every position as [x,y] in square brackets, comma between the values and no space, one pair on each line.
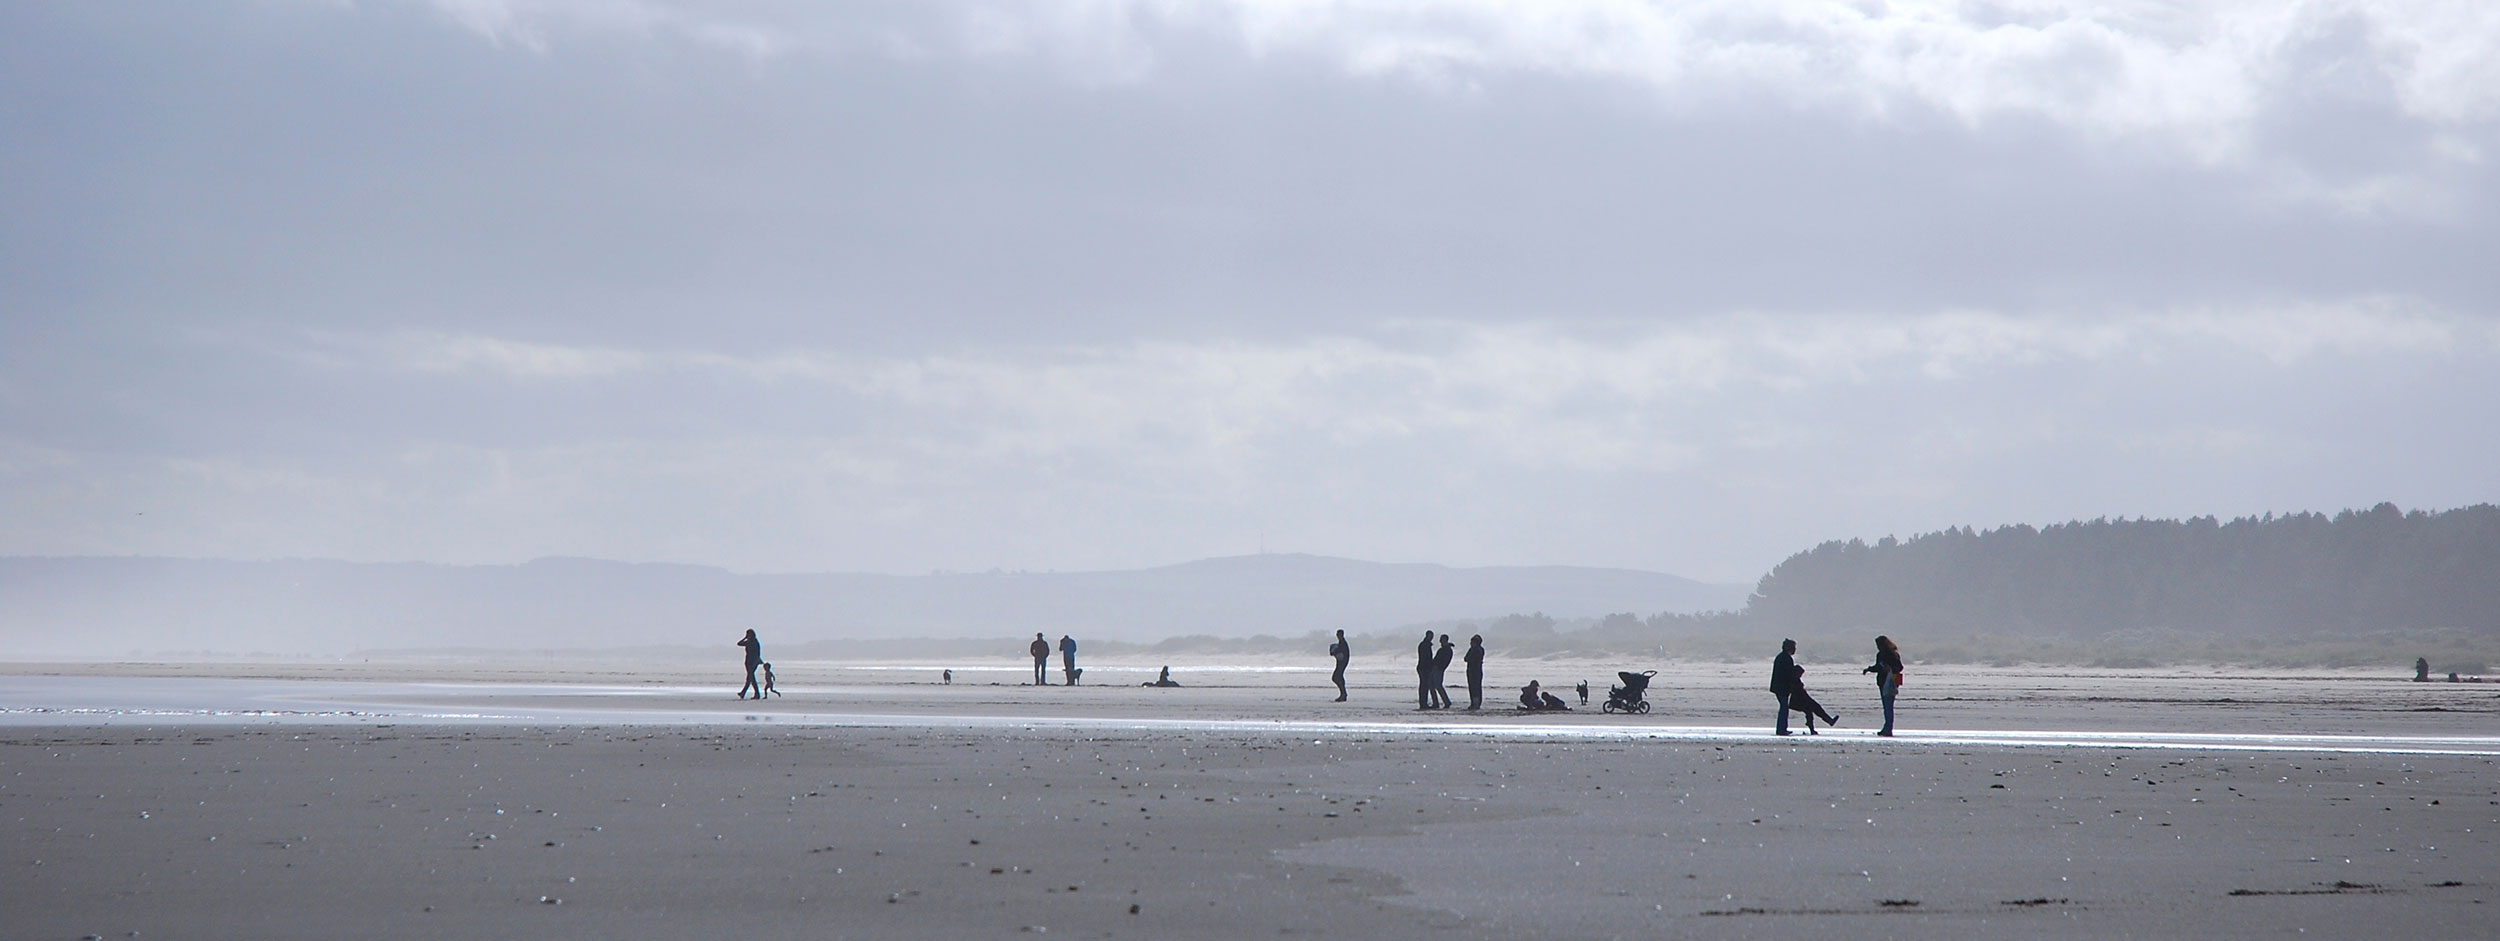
[1631,697]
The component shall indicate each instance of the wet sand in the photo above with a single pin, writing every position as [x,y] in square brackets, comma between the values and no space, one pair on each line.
[450,801]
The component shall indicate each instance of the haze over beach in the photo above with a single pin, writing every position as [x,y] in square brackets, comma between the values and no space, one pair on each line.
[405,404]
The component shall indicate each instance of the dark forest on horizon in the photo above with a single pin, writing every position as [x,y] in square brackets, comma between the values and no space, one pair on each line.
[2360,587]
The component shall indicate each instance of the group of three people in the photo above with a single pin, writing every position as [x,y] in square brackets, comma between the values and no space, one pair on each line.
[1432,669]
[1789,685]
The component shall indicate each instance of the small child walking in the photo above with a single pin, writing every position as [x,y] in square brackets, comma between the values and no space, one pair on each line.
[768,683]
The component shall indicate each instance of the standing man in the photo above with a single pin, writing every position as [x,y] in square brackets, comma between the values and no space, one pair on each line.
[1041,661]
[1784,679]
[755,658]
[1067,658]
[1475,673]
[1342,652]
[1423,672]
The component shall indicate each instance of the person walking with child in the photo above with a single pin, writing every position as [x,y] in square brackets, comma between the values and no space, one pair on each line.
[1887,670]
[755,658]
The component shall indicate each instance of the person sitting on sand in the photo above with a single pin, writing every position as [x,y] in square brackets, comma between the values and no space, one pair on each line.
[1798,699]
[1555,703]
[755,658]
[768,682]
[1165,680]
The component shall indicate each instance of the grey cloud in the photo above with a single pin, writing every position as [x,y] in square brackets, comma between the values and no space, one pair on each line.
[947,285]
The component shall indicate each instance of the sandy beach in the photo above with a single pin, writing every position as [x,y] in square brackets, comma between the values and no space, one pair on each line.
[448,799]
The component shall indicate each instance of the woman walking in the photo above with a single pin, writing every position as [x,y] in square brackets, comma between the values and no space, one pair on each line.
[1887,670]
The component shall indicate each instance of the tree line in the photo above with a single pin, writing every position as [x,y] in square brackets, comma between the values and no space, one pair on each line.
[2358,571]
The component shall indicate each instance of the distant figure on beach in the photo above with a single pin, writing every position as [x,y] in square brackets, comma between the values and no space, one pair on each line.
[1041,660]
[1067,659]
[1475,673]
[2421,669]
[1783,684]
[1341,652]
[1887,670]
[948,676]
[1163,680]
[1584,694]
[1423,672]
[755,659]
[1441,671]
[768,682]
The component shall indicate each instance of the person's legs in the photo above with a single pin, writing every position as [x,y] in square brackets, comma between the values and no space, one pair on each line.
[1423,690]
[1475,690]
[1041,671]
[1067,669]
[1783,723]
[1339,679]
[751,684]
[1889,692]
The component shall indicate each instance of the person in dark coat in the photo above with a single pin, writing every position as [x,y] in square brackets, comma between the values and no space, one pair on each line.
[1475,673]
[1067,659]
[755,658]
[1887,670]
[1441,672]
[1423,672]
[1783,682]
[1041,660]
[1341,652]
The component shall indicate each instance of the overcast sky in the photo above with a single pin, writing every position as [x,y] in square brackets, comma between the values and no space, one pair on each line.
[799,286]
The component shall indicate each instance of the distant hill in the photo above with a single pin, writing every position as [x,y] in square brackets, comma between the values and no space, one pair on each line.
[2307,574]
[104,607]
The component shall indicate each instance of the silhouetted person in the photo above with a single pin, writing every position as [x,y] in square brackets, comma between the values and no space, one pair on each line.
[948,676]
[1423,672]
[768,682]
[1163,680]
[1887,670]
[1584,693]
[1554,703]
[1041,660]
[1067,659]
[1441,672]
[755,658]
[1802,701]
[1784,681]
[1342,653]
[1530,698]
[2421,669]
[1475,673]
